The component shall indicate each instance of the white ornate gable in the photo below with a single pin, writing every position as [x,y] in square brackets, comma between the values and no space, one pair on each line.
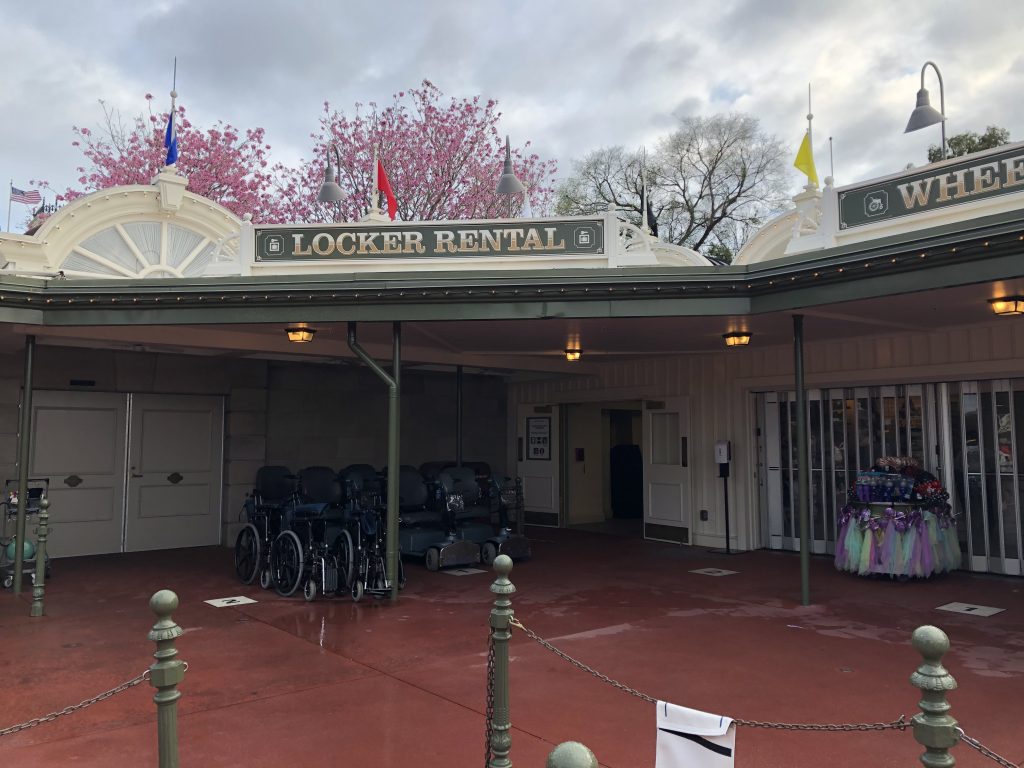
[131,232]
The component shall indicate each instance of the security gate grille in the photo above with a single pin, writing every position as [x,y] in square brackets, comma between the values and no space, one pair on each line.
[848,429]
[966,433]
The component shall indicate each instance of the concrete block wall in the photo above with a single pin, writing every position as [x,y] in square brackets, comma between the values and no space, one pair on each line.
[337,415]
[245,443]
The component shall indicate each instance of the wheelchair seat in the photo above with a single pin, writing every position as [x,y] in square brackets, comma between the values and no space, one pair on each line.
[275,485]
[319,494]
[413,496]
[369,476]
[462,481]
[431,469]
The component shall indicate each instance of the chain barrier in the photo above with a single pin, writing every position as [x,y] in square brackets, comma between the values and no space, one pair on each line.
[973,743]
[580,665]
[489,709]
[898,724]
[75,707]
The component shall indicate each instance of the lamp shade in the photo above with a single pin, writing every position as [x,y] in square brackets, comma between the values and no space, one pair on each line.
[924,113]
[508,184]
[330,192]
[300,333]
[737,338]
[1007,305]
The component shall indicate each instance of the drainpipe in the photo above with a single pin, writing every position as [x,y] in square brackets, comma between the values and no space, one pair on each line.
[24,447]
[393,381]
[458,415]
[804,472]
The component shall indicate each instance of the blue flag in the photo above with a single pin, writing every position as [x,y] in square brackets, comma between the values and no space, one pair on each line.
[171,140]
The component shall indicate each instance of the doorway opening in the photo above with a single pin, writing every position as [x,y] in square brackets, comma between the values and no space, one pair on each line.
[605,467]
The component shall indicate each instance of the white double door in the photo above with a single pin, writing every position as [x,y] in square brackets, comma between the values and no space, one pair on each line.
[128,472]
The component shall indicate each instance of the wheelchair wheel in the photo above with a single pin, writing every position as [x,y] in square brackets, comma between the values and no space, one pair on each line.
[346,554]
[432,559]
[247,554]
[265,580]
[488,552]
[286,563]
[357,590]
[309,591]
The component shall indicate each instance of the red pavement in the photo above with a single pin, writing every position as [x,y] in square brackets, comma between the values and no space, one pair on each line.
[283,682]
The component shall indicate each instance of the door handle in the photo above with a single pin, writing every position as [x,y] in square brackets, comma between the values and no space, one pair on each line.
[135,475]
[174,478]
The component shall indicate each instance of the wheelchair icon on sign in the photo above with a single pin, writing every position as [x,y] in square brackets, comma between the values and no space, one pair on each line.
[876,203]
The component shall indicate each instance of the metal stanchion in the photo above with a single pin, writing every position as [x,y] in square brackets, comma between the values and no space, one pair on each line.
[934,728]
[165,675]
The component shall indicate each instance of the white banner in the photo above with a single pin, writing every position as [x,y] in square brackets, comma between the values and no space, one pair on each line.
[689,738]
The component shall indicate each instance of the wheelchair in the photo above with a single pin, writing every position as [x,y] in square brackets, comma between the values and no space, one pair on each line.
[369,555]
[300,555]
[475,498]
[427,525]
[273,494]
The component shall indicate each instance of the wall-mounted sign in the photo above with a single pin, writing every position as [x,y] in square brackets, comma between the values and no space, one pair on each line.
[538,438]
[461,239]
[999,173]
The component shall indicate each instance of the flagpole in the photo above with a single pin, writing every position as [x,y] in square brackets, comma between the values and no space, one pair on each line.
[810,116]
[10,193]
[643,192]
[831,161]
[374,205]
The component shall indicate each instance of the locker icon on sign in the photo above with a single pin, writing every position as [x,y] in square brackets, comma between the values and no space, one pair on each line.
[584,237]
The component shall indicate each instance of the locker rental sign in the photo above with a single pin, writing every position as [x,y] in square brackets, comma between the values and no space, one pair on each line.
[376,240]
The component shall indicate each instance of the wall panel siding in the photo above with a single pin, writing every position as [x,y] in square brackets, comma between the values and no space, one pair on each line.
[720,384]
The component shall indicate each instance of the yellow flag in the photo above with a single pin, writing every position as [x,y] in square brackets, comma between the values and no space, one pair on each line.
[805,159]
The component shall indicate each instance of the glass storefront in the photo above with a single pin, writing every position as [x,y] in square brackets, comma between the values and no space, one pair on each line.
[966,433]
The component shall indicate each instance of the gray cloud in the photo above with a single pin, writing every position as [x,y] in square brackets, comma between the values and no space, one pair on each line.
[569,76]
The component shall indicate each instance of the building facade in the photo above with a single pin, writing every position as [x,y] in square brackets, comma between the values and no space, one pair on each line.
[163,376]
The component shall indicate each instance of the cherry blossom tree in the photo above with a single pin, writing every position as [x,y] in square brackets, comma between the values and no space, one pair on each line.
[443,159]
[223,163]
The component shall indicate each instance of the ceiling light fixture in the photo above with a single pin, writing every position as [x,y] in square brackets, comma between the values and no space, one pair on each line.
[1007,305]
[737,338]
[573,353]
[300,333]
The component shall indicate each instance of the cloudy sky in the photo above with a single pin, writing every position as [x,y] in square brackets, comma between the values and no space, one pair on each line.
[569,75]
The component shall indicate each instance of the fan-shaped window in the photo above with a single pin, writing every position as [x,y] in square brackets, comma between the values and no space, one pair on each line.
[146,249]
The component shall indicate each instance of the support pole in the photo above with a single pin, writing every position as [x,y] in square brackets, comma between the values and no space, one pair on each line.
[165,674]
[39,585]
[499,720]
[394,458]
[934,728]
[394,404]
[804,475]
[458,415]
[24,446]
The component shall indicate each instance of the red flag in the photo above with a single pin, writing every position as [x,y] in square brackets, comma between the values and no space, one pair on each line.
[385,186]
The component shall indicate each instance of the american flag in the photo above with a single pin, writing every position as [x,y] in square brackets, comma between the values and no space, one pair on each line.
[30,197]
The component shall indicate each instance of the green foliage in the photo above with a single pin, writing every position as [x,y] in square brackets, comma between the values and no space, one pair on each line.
[969,142]
[719,251]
